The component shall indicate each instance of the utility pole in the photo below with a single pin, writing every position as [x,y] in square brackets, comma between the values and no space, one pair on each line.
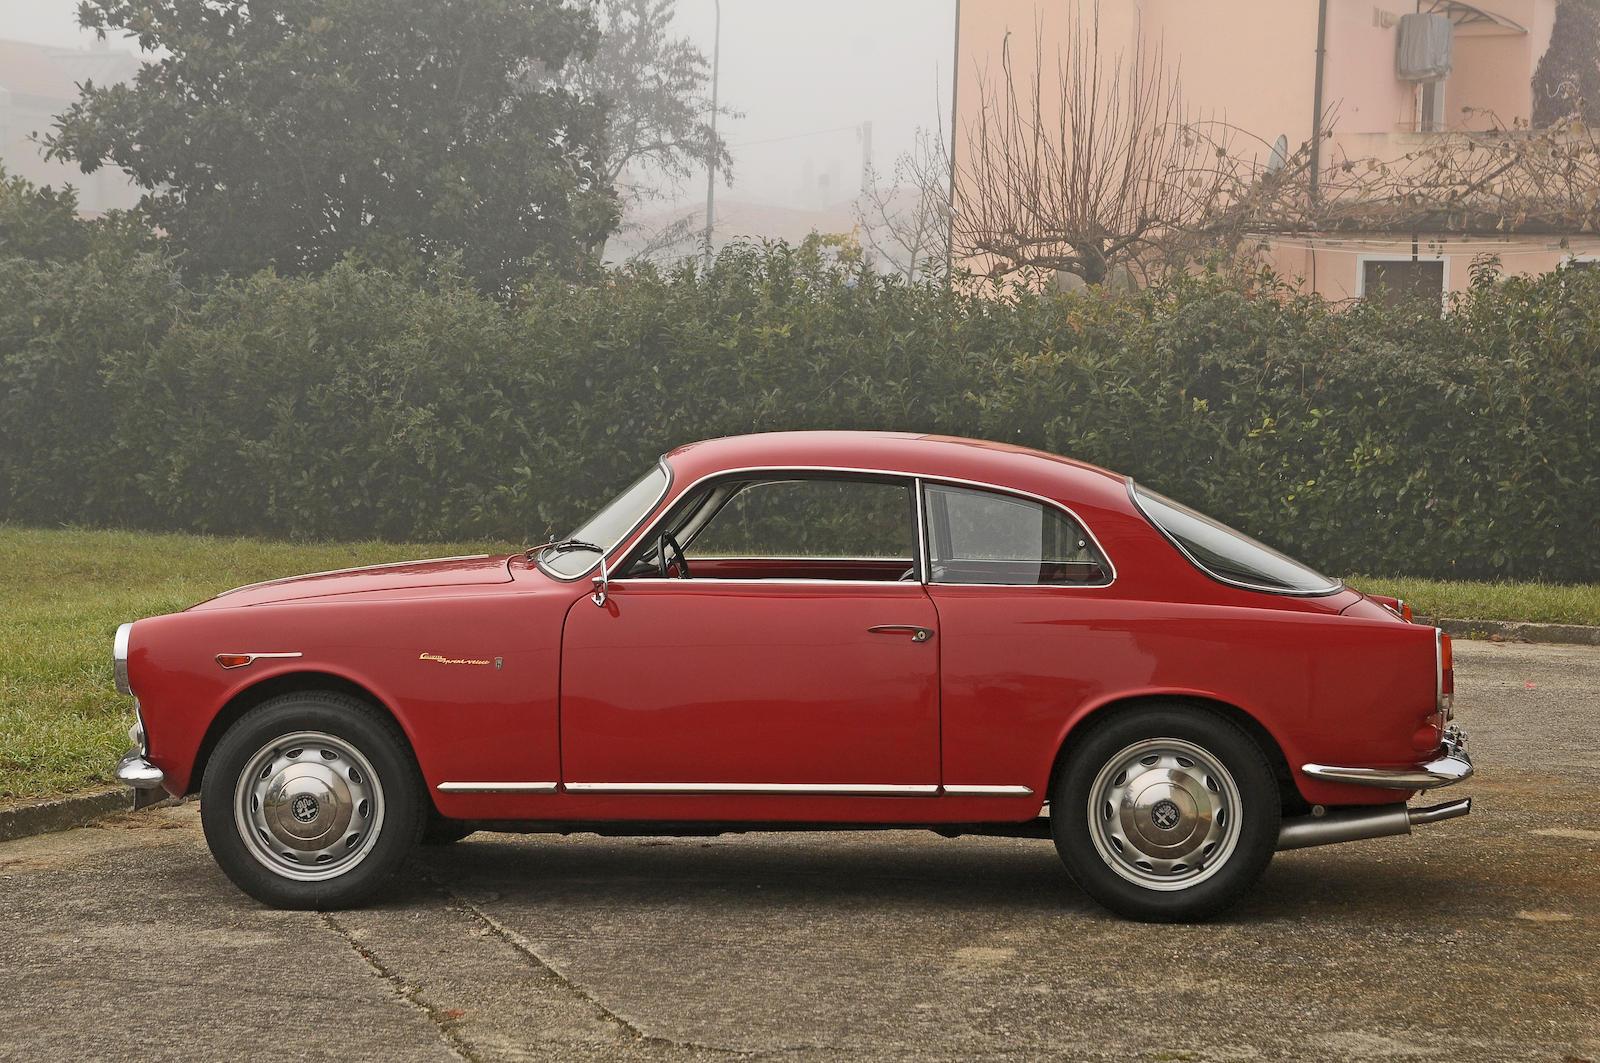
[711,163]
[864,134]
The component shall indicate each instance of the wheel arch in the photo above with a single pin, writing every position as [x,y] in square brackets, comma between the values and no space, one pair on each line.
[242,701]
[1289,792]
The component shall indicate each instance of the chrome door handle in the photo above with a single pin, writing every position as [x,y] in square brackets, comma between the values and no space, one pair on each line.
[918,634]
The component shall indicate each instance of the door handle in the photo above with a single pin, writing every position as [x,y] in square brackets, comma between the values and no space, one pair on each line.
[918,634]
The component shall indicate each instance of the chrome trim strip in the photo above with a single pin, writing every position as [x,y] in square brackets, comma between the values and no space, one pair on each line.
[917,478]
[497,787]
[119,657]
[1338,584]
[254,657]
[704,582]
[988,791]
[1447,770]
[628,539]
[924,572]
[821,789]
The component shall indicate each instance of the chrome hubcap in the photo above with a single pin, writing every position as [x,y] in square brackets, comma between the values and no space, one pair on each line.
[309,806]
[1164,813]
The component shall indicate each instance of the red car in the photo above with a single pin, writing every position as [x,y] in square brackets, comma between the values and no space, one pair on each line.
[805,630]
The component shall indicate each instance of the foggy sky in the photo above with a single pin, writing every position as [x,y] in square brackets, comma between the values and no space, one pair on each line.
[804,72]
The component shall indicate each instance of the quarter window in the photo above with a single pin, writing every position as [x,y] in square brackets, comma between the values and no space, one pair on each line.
[985,537]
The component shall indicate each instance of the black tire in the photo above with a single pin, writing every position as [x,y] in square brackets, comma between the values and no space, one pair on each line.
[1214,852]
[441,830]
[380,782]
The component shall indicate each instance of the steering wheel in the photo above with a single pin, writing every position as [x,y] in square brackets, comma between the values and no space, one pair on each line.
[668,539]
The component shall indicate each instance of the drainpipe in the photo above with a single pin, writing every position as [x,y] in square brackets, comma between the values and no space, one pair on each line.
[1316,100]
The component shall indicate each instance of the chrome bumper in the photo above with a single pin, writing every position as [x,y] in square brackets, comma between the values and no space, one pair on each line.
[1452,766]
[138,772]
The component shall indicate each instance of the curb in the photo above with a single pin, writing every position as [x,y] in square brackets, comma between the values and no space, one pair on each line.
[62,813]
[1517,631]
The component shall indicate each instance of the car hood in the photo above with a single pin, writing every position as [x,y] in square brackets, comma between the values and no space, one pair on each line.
[436,572]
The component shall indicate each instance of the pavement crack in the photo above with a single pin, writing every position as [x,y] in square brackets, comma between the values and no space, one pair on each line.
[410,994]
[525,948]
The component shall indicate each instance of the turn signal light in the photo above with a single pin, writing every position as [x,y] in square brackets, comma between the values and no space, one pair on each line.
[235,660]
[1405,611]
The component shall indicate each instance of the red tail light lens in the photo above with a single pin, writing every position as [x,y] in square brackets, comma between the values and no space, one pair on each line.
[1446,674]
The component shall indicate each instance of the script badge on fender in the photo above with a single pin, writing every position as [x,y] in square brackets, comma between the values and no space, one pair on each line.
[498,662]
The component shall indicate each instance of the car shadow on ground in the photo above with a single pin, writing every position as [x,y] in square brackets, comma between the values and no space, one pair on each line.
[1024,877]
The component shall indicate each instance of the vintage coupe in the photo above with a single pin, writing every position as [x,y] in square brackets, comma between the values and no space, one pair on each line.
[810,630]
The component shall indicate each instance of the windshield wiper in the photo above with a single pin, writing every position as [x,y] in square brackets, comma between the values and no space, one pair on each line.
[559,545]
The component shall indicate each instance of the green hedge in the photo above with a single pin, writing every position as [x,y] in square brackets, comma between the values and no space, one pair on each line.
[360,404]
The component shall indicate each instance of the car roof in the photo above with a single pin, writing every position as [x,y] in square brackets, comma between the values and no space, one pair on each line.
[908,453]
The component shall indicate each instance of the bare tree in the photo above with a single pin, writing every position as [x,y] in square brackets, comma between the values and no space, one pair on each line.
[905,221]
[1081,167]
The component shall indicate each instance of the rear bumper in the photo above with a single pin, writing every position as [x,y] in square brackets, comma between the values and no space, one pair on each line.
[1451,766]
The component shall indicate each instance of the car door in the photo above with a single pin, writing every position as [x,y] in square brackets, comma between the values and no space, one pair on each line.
[820,676]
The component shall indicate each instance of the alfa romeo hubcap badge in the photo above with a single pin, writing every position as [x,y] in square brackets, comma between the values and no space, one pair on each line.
[1163,814]
[305,808]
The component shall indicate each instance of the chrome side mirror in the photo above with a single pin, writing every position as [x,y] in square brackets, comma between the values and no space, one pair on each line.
[602,583]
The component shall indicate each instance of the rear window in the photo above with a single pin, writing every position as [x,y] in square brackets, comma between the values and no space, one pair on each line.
[1230,556]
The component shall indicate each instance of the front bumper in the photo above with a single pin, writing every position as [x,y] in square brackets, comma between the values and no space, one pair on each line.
[138,772]
[1451,766]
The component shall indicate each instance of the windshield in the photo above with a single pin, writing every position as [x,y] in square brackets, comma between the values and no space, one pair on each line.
[1229,555]
[574,555]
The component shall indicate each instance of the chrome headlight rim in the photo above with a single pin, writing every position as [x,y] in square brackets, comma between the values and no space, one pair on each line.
[119,658]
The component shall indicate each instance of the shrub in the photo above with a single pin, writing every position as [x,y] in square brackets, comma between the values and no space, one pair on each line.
[358,403]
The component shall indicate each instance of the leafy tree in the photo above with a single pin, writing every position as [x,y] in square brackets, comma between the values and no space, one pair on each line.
[42,224]
[657,87]
[1567,80]
[291,133]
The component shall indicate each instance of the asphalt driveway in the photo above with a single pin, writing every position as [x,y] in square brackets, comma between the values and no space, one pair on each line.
[1477,939]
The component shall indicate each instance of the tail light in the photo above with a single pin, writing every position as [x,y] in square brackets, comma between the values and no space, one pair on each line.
[1445,676]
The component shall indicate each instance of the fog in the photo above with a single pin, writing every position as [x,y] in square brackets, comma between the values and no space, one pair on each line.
[804,75]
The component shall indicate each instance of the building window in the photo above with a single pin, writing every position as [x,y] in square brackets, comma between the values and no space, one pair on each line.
[1400,280]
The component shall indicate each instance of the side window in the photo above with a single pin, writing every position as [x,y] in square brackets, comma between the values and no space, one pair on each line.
[983,537]
[812,518]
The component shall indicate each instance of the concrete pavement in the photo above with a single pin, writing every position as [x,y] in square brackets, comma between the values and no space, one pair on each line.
[1475,939]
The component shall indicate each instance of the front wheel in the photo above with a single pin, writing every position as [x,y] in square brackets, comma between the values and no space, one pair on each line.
[311,800]
[1166,813]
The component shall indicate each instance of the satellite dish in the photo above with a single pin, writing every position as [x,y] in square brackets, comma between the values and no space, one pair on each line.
[1280,153]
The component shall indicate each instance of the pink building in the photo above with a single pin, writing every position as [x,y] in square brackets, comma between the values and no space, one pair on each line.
[1254,64]
[38,82]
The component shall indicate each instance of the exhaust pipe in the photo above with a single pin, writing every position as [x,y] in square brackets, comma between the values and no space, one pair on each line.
[1358,824]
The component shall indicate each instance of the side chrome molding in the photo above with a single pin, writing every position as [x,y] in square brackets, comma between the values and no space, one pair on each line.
[771,788]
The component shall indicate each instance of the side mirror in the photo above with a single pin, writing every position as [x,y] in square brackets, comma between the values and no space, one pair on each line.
[602,583]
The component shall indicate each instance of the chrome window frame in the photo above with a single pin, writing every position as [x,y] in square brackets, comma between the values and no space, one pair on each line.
[1338,584]
[627,539]
[918,481]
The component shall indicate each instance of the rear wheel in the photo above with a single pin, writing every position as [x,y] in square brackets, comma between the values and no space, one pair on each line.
[311,800]
[1166,813]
